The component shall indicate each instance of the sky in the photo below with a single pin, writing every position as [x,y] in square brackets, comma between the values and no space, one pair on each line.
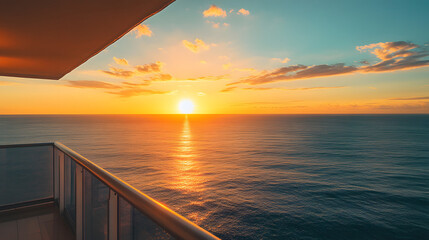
[249,57]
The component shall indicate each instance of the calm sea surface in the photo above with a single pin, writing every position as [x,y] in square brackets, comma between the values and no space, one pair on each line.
[262,176]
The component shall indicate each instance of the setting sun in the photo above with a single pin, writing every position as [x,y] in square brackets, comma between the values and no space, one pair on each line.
[186,106]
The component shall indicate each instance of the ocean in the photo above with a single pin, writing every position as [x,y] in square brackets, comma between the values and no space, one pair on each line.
[261,176]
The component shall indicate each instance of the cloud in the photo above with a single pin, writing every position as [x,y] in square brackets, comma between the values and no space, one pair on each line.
[210,78]
[120,61]
[226,66]
[243,12]
[197,47]
[228,89]
[6,83]
[201,94]
[203,62]
[393,56]
[131,92]
[162,77]
[149,68]
[226,24]
[92,84]
[130,84]
[410,98]
[214,11]
[141,30]
[284,60]
[117,72]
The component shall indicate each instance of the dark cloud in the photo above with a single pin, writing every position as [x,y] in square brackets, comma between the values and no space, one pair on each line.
[92,84]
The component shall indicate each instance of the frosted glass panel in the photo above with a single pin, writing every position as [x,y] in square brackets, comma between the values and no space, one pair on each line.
[26,174]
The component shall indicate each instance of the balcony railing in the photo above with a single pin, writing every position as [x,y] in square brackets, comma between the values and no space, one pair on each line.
[96,204]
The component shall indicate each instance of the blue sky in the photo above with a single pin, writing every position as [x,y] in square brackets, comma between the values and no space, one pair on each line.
[241,56]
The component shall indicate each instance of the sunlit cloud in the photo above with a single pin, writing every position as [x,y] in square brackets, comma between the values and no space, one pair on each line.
[284,60]
[209,78]
[141,30]
[201,94]
[226,24]
[149,68]
[197,47]
[226,66]
[162,77]
[393,55]
[203,62]
[6,83]
[410,98]
[214,11]
[120,61]
[243,12]
[131,84]
[118,72]
[232,10]
[228,89]
[92,84]
[131,92]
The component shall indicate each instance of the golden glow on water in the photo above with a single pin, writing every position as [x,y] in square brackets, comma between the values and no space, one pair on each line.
[187,176]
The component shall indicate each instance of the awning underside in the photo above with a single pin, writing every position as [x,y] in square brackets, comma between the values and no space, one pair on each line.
[48,39]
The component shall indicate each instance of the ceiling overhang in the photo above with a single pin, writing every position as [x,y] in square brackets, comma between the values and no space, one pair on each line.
[48,39]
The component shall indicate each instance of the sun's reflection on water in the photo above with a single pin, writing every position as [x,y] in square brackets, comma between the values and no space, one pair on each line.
[187,176]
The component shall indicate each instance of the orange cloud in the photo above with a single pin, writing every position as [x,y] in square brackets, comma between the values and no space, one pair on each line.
[131,92]
[149,68]
[284,60]
[162,77]
[117,72]
[141,30]
[226,66]
[228,89]
[410,98]
[92,84]
[197,47]
[120,61]
[214,11]
[243,12]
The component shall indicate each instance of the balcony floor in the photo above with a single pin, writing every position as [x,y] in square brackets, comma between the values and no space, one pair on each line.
[35,223]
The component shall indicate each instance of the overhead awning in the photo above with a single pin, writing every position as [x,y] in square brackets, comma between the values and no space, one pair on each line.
[48,39]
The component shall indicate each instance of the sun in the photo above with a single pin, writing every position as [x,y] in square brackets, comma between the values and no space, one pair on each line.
[186,106]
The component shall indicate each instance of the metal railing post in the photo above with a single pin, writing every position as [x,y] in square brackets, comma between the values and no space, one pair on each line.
[61,175]
[113,215]
[79,202]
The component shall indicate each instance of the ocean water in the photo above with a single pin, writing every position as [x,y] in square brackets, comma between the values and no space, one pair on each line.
[262,176]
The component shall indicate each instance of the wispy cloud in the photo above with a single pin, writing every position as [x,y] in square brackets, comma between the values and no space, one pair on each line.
[92,84]
[281,60]
[410,98]
[141,30]
[228,89]
[214,11]
[6,83]
[162,77]
[118,72]
[197,47]
[209,78]
[120,61]
[131,92]
[393,55]
[243,12]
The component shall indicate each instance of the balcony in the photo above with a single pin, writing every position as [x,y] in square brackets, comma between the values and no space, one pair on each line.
[48,191]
